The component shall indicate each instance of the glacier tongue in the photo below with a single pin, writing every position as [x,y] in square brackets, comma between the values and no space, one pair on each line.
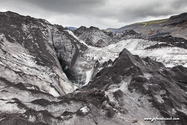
[85,64]
[169,56]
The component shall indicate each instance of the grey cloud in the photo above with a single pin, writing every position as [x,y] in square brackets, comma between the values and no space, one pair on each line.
[156,9]
[179,4]
[68,6]
[104,13]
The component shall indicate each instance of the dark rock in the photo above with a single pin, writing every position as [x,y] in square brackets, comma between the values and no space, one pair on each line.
[169,41]
[41,102]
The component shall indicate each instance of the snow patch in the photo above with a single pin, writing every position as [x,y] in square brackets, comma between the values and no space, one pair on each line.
[85,109]
[89,75]
[72,34]
[10,107]
[147,76]
[169,56]
[159,98]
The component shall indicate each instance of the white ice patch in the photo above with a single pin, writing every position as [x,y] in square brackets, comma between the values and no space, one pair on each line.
[81,41]
[85,109]
[147,76]
[53,92]
[89,75]
[20,59]
[159,98]
[130,44]
[10,107]
[72,34]
[183,109]
[170,56]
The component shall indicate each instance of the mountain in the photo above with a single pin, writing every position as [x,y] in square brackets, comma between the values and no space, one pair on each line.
[28,56]
[92,36]
[155,39]
[174,26]
[52,76]
[96,37]
[141,88]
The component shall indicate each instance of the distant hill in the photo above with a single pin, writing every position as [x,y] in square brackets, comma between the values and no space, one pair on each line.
[175,26]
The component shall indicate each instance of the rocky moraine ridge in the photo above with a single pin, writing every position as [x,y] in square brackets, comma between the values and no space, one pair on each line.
[50,75]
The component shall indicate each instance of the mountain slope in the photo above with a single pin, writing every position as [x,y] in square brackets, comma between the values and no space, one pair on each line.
[175,26]
[28,55]
[143,87]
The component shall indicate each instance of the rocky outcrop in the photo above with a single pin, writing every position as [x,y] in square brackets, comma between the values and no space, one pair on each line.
[68,49]
[177,20]
[93,36]
[132,83]
[169,41]
[28,55]
[101,38]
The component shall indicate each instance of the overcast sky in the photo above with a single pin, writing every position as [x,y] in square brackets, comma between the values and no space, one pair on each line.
[99,13]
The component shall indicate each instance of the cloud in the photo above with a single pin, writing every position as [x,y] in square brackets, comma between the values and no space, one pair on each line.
[100,13]
[145,9]
[178,4]
[68,6]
